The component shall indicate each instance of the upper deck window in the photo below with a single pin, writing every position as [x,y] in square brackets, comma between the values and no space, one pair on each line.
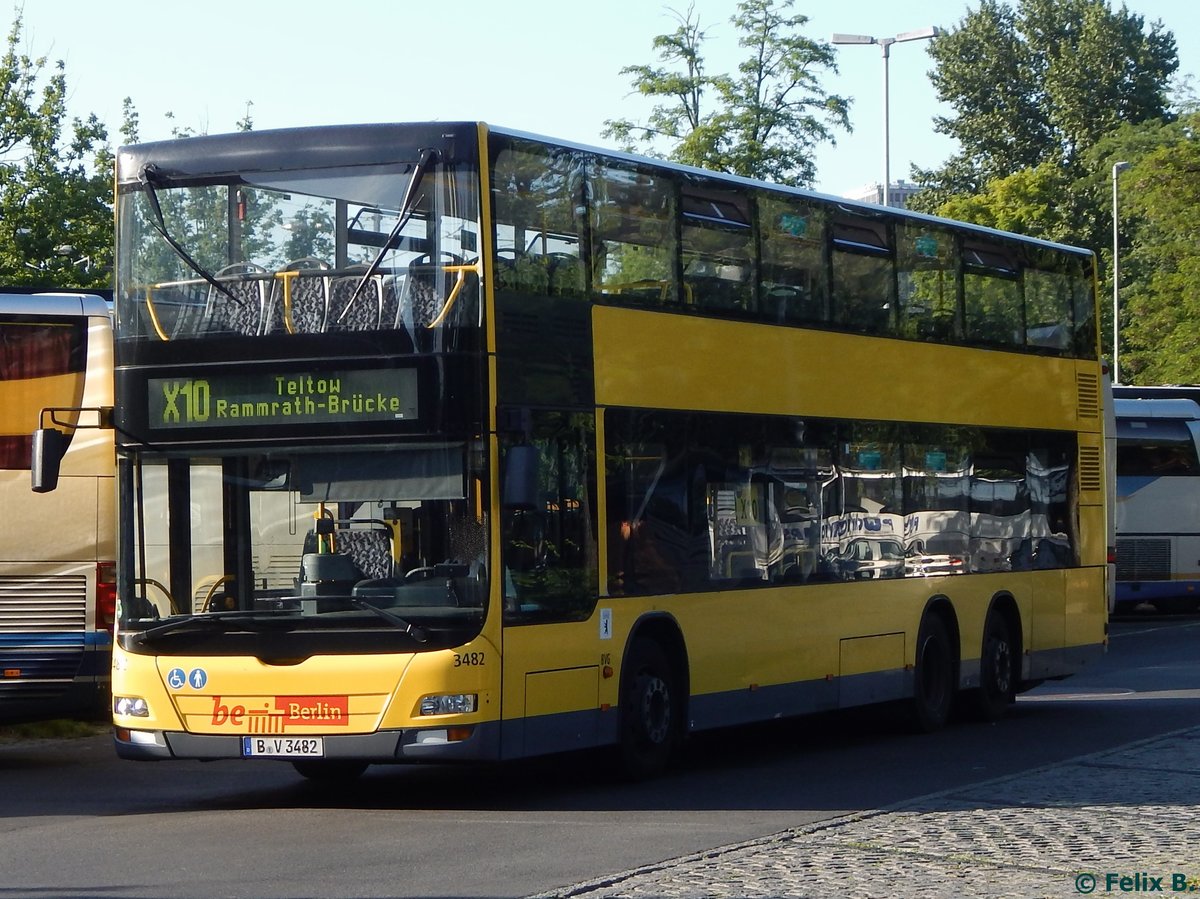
[537,199]
[927,279]
[386,247]
[633,233]
[864,281]
[992,294]
[649,234]
[716,247]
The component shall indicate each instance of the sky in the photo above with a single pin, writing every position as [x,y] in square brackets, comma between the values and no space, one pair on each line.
[549,67]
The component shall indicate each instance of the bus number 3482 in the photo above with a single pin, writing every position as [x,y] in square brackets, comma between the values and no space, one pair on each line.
[462,659]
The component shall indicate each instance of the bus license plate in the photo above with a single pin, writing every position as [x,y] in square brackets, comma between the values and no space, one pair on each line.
[283,747]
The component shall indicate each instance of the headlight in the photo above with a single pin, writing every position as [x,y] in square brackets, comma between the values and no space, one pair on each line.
[131,705]
[449,704]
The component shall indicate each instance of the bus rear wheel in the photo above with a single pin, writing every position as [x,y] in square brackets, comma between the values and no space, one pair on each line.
[650,710]
[997,679]
[933,687]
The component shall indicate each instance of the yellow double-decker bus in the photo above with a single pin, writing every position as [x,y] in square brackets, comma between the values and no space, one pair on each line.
[445,442]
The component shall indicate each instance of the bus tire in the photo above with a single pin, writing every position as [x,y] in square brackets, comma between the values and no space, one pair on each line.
[650,710]
[933,676]
[329,770]
[997,677]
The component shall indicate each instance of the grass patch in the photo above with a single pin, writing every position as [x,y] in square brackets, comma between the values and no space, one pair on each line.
[56,729]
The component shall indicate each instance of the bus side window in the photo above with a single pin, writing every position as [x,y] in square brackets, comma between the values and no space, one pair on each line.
[793,276]
[864,276]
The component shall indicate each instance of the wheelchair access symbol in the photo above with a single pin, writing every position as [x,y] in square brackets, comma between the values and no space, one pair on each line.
[196,678]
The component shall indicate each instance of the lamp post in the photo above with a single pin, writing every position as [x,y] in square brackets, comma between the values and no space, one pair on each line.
[885,44]
[1117,168]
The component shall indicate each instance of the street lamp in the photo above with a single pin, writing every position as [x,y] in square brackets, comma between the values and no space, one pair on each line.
[885,44]
[1117,168]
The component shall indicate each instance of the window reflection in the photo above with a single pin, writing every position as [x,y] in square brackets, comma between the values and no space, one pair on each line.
[703,501]
[570,222]
[548,532]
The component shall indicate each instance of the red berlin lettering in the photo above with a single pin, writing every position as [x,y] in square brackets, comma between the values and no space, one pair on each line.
[333,710]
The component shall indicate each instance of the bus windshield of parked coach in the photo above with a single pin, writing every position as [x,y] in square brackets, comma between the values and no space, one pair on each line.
[363,248]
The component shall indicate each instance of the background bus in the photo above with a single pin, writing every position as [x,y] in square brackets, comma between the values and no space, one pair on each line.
[57,558]
[1158,497]
[445,442]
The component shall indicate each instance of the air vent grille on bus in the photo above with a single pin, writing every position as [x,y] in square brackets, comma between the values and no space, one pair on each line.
[1088,386]
[42,624]
[1143,559]
[1091,469]
[54,604]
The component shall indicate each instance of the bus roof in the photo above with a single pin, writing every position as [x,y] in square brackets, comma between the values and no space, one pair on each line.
[53,303]
[1157,408]
[217,155]
[873,208]
[1163,392]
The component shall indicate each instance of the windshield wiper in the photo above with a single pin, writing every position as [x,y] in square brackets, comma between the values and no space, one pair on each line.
[417,633]
[147,176]
[208,621]
[407,207]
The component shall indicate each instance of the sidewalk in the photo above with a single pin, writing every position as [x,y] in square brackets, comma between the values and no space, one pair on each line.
[1115,822]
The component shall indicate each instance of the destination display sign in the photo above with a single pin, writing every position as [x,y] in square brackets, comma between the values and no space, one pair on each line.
[265,398]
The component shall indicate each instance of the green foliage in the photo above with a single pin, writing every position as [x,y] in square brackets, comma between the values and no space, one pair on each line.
[1046,96]
[764,121]
[310,234]
[1160,269]
[54,729]
[1036,201]
[1040,84]
[55,179]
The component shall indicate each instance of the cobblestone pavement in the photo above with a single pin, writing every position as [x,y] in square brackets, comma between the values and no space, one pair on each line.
[1068,829]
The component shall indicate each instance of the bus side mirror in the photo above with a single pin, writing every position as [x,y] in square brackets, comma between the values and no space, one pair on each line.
[520,477]
[49,447]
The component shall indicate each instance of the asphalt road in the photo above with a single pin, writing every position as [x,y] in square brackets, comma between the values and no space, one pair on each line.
[76,821]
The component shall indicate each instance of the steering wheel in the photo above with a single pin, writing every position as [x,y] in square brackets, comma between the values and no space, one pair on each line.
[419,574]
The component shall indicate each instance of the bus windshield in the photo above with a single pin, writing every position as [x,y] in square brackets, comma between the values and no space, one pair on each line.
[383,543]
[387,246]
[305,460]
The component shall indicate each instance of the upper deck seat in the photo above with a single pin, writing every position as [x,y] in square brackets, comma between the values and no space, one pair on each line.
[299,301]
[241,305]
[352,308]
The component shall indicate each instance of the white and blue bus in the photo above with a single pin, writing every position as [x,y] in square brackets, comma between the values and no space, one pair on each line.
[57,558]
[1158,497]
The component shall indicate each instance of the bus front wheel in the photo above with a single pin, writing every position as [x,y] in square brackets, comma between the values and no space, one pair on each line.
[933,687]
[650,710]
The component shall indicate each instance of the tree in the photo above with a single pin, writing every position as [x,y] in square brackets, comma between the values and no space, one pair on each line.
[1041,83]
[1160,268]
[764,121]
[1030,201]
[55,179]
